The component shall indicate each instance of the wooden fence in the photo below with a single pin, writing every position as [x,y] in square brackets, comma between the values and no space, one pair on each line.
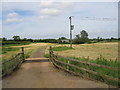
[10,65]
[70,65]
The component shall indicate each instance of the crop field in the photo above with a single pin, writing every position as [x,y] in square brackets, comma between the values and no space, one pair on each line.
[107,50]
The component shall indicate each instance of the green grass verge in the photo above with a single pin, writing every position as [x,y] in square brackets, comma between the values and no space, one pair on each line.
[8,49]
[46,55]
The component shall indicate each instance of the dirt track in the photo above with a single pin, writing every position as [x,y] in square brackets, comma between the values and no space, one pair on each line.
[43,74]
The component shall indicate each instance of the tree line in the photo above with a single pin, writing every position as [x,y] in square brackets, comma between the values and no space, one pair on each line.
[80,38]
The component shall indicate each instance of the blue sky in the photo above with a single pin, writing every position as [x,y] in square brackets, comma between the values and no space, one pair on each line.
[50,19]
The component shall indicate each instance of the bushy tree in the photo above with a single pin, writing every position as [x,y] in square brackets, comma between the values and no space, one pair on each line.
[4,39]
[81,38]
[16,38]
[83,34]
[60,40]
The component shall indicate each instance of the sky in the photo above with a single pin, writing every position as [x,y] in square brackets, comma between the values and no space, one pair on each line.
[50,18]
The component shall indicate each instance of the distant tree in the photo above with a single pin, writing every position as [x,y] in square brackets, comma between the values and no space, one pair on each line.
[77,39]
[16,38]
[4,39]
[63,40]
[24,39]
[83,34]
[31,40]
[81,38]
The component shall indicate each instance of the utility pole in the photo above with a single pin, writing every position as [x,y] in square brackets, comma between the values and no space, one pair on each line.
[71,28]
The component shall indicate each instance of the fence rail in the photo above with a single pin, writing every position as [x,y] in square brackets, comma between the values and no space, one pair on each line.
[10,65]
[58,63]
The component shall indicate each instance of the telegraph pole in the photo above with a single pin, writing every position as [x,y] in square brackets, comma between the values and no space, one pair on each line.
[71,28]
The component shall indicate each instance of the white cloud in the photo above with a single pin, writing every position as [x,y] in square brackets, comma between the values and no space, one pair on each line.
[14,20]
[13,14]
[52,8]
[49,11]
[53,4]
[13,17]
[46,4]
[44,17]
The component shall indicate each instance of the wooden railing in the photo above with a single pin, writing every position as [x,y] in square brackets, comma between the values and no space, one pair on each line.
[68,65]
[10,65]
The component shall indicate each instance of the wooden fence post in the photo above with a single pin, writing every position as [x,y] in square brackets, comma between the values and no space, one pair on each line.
[68,62]
[23,54]
[51,52]
[87,67]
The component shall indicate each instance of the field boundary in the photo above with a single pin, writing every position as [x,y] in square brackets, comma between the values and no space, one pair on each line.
[66,65]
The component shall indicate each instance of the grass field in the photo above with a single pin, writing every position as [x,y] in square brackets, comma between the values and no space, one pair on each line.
[93,51]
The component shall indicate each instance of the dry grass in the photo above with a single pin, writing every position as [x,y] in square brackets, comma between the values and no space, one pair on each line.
[32,45]
[107,50]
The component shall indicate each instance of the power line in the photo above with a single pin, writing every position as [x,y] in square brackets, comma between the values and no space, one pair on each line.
[99,18]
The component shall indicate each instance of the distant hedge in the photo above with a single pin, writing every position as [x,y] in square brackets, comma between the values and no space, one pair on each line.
[14,42]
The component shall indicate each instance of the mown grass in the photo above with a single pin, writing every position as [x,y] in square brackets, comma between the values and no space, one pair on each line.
[7,49]
[61,48]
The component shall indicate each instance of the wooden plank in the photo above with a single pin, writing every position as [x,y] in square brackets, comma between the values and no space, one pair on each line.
[37,59]
[65,69]
[86,62]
